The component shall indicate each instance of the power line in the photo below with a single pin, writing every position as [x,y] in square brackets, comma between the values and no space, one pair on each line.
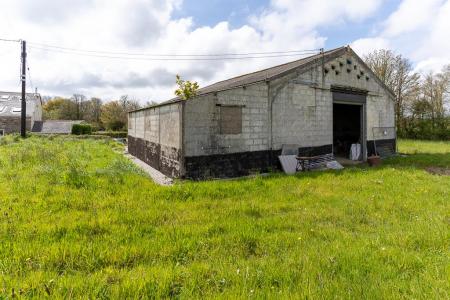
[46,46]
[292,54]
[8,40]
[29,78]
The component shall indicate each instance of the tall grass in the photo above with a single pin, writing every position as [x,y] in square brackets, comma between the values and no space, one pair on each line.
[78,220]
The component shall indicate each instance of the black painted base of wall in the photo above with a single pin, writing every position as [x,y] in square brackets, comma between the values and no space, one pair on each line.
[227,165]
[240,164]
[223,165]
[156,157]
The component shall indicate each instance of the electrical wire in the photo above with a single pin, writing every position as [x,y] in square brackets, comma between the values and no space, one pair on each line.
[46,46]
[9,40]
[29,79]
[171,58]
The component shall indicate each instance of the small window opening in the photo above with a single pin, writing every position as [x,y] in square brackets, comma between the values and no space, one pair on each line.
[230,119]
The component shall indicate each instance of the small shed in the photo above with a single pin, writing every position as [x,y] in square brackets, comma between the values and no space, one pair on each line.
[54,126]
[324,103]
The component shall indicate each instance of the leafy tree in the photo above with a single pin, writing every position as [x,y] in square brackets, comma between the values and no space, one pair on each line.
[113,116]
[186,89]
[59,109]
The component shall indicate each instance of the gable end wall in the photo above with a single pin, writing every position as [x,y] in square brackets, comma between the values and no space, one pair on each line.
[154,136]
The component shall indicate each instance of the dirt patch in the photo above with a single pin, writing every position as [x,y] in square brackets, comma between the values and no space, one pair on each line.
[438,171]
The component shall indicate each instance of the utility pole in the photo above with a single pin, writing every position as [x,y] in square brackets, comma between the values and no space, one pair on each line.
[23,119]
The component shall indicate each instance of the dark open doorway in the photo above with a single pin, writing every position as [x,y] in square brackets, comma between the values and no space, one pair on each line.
[346,128]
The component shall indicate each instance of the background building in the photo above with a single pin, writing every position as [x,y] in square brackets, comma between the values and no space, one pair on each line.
[10,111]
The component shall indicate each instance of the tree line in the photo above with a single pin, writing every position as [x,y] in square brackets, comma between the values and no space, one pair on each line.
[421,100]
[111,115]
[102,116]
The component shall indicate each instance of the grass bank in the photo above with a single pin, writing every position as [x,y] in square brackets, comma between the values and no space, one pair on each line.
[79,220]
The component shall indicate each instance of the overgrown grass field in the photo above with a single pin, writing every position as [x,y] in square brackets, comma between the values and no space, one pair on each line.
[78,220]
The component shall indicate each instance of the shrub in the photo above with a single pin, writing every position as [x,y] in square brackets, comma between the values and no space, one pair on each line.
[87,129]
[113,134]
[79,129]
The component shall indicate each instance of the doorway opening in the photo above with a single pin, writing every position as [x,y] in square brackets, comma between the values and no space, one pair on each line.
[347,130]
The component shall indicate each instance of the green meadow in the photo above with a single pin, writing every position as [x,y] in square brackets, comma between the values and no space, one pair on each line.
[78,220]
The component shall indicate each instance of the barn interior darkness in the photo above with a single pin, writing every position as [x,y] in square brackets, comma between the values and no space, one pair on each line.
[346,128]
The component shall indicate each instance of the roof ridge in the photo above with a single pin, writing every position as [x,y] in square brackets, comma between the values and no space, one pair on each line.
[276,66]
[252,77]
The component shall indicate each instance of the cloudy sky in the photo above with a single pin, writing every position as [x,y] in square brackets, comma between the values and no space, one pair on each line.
[99,39]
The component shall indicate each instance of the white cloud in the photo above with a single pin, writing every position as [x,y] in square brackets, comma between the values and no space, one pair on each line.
[412,15]
[366,45]
[418,30]
[149,26]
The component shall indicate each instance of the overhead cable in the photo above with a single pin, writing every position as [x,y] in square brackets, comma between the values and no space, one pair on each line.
[168,58]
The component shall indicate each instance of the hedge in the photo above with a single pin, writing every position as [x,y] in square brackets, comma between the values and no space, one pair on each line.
[79,129]
[113,134]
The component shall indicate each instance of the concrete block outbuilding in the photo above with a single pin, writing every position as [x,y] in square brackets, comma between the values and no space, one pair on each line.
[323,103]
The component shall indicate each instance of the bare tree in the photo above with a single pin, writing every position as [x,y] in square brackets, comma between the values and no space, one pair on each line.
[396,72]
[79,99]
[435,89]
[91,110]
[129,104]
